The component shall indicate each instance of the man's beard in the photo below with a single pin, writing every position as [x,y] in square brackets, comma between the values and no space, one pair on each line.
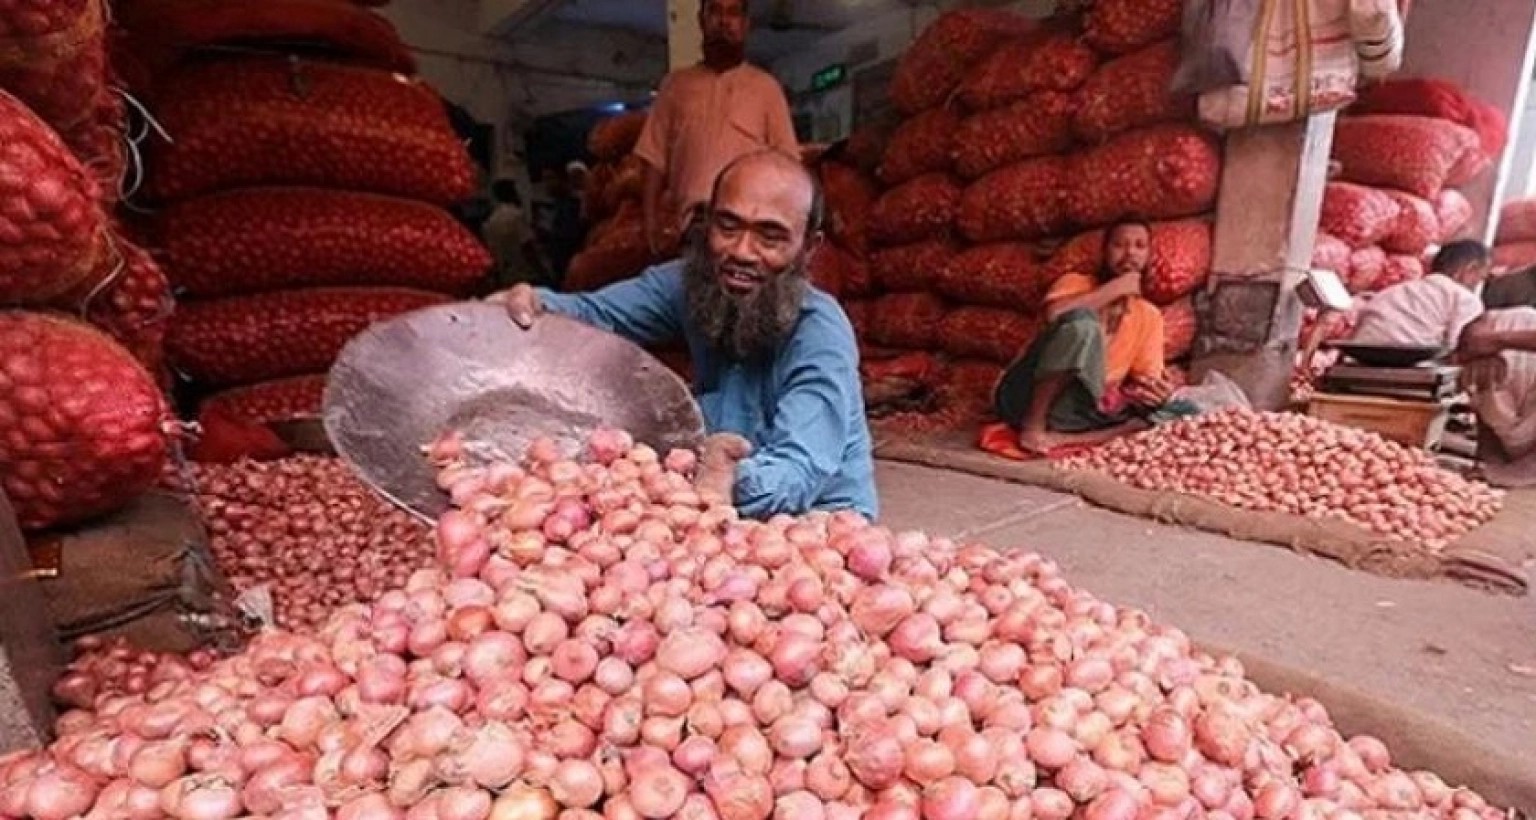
[723,54]
[744,328]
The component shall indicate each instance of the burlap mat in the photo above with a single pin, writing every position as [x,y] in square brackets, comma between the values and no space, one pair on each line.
[1495,557]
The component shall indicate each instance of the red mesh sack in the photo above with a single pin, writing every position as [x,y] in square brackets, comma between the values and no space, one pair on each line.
[259,239]
[259,121]
[59,75]
[1330,253]
[1162,172]
[830,269]
[1358,215]
[914,211]
[987,333]
[923,368]
[1001,274]
[163,32]
[1022,201]
[1453,213]
[922,145]
[299,397]
[1398,269]
[1083,254]
[858,311]
[906,320]
[245,339]
[1416,227]
[1179,329]
[1026,66]
[51,225]
[866,146]
[128,297]
[100,143]
[28,19]
[1441,99]
[1517,222]
[1132,92]
[972,382]
[850,196]
[81,422]
[1514,255]
[1040,124]
[612,139]
[1413,154]
[1365,267]
[937,61]
[1122,26]
[910,267]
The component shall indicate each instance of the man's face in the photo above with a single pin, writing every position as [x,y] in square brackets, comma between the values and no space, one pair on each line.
[1128,250]
[1471,275]
[723,24]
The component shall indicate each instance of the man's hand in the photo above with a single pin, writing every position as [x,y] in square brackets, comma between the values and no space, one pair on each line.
[1126,286]
[1480,375]
[1149,393]
[522,303]
[718,456]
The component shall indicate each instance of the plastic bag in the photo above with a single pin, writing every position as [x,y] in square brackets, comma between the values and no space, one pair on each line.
[1215,392]
[1217,35]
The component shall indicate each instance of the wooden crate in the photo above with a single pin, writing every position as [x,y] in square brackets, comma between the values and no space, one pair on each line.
[1413,423]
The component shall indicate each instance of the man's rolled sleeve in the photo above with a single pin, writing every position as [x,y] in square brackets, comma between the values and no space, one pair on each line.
[804,447]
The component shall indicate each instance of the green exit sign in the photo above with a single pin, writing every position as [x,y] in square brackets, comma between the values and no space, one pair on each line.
[829,77]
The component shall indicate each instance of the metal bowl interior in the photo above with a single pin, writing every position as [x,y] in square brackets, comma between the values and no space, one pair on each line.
[1384,355]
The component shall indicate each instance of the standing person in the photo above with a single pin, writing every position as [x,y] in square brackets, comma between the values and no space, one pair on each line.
[1433,311]
[566,231]
[776,366]
[704,117]
[1097,368]
[510,238]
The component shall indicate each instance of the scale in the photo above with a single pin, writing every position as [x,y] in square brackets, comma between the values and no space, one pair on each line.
[1426,382]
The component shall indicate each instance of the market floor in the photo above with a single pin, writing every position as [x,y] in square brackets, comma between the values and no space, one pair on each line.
[1461,656]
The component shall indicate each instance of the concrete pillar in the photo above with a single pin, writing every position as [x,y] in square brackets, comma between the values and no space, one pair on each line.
[685,43]
[1485,46]
[29,655]
[1266,223]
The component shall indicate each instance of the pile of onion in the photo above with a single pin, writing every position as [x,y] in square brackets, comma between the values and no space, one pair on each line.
[307,529]
[596,641]
[1283,462]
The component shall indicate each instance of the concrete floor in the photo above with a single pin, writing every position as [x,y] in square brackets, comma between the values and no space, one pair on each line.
[1440,649]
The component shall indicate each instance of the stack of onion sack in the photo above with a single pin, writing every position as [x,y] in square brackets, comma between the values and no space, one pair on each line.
[1402,151]
[300,202]
[616,247]
[310,532]
[598,641]
[1515,245]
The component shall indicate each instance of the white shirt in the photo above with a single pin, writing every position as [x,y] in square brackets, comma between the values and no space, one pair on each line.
[1430,311]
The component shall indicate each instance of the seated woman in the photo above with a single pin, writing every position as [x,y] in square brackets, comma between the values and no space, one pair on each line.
[1097,368]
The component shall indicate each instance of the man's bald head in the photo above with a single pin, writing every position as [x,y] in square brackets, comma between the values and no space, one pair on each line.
[777,182]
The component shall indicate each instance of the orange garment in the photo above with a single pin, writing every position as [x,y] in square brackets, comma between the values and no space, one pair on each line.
[1136,346]
[702,119]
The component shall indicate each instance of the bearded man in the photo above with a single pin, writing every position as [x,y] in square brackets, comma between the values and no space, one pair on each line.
[775,361]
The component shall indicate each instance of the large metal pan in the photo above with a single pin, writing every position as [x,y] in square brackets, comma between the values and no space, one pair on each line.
[1388,355]
[466,367]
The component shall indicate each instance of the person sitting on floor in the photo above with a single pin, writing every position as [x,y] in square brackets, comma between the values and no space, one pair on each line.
[1498,356]
[1096,370]
[1429,312]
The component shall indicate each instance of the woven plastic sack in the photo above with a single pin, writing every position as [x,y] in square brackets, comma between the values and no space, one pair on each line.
[1358,215]
[1413,154]
[260,239]
[162,33]
[1514,254]
[906,320]
[1454,213]
[1330,253]
[52,227]
[910,267]
[987,333]
[922,145]
[1307,46]
[831,268]
[246,339]
[1442,99]
[128,297]
[299,397]
[1162,172]
[1022,201]
[59,75]
[1122,26]
[1131,92]
[1026,66]
[1179,329]
[850,196]
[1517,222]
[1039,124]
[81,422]
[937,61]
[1002,274]
[923,208]
[1365,268]
[259,121]
[1416,226]
[613,138]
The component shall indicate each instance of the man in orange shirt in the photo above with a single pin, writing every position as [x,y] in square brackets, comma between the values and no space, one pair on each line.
[1097,369]
[704,117]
